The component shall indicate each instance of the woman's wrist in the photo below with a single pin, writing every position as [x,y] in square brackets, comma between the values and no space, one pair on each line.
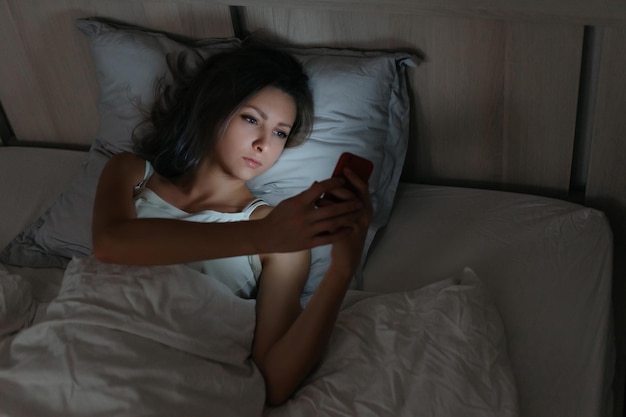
[258,237]
[341,275]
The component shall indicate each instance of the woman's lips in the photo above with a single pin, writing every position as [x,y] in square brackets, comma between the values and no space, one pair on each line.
[251,162]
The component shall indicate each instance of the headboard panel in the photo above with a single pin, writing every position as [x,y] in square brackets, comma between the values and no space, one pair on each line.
[586,12]
[495,99]
[606,188]
[495,102]
[52,93]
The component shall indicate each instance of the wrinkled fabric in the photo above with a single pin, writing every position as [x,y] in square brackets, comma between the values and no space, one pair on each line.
[17,306]
[436,351]
[169,341]
[134,341]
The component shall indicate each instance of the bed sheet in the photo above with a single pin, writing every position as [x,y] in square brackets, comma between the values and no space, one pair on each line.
[177,342]
[31,180]
[548,264]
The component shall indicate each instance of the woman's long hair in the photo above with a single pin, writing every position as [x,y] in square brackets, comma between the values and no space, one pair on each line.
[192,112]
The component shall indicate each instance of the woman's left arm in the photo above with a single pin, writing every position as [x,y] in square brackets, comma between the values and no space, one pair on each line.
[276,349]
[289,341]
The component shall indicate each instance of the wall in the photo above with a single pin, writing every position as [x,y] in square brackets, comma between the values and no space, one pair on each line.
[496,101]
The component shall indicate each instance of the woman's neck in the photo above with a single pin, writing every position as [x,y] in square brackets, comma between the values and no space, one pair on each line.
[203,189]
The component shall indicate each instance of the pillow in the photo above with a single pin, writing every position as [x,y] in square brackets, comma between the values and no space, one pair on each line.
[436,351]
[128,60]
[17,307]
[361,105]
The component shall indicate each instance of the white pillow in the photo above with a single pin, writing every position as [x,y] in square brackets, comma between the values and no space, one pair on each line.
[436,351]
[128,60]
[361,105]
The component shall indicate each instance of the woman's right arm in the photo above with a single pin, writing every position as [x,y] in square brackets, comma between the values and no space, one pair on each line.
[120,237]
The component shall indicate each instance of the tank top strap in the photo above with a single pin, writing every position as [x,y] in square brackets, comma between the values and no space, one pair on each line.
[149,170]
[253,205]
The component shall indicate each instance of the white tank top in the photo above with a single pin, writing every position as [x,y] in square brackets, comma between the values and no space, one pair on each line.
[239,273]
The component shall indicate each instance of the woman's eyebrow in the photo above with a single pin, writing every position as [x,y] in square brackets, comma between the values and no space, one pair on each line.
[264,116]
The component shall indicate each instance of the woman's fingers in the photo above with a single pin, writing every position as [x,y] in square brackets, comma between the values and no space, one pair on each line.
[350,204]
[338,194]
[356,183]
[322,211]
[332,224]
[362,189]
[319,189]
[308,220]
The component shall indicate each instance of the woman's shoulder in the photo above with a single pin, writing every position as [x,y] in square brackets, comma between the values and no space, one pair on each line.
[261,211]
[125,165]
[126,158]
[126,161]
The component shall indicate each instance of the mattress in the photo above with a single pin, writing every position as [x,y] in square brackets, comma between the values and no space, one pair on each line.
[33,178]
[547,264]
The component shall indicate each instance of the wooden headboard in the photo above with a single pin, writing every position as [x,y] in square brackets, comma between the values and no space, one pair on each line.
[512,94]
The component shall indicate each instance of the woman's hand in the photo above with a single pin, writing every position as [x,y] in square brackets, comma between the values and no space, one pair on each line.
[303,222]
[346,252]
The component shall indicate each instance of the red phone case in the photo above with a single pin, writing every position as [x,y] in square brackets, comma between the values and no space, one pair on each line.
[359,165]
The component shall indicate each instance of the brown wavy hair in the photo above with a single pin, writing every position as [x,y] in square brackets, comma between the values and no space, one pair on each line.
[192,111]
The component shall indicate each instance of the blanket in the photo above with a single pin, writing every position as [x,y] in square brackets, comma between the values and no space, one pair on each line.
[169,341]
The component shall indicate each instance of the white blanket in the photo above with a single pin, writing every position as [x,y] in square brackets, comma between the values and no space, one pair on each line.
[168,341]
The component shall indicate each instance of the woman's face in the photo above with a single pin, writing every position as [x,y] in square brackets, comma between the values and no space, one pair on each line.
[256,135]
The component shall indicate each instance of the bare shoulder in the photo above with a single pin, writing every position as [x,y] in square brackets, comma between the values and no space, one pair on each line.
[126,159]
[287,260]
[300,259]
[283,278]
[261,212]
[125,165]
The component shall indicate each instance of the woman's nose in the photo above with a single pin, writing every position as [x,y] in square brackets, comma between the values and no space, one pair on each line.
[262,143]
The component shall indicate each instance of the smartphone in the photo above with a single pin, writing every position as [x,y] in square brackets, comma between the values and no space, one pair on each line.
[359,165]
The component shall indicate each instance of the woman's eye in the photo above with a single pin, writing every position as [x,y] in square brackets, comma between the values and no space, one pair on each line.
[249,119]
[281,134]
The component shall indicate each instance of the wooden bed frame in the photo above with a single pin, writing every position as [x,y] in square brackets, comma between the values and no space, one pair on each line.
[517,95]
[511,95]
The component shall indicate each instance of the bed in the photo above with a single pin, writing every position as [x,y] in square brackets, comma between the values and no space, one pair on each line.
[469,301]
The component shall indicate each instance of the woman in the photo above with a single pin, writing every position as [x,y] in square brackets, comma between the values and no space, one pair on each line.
[183,199]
